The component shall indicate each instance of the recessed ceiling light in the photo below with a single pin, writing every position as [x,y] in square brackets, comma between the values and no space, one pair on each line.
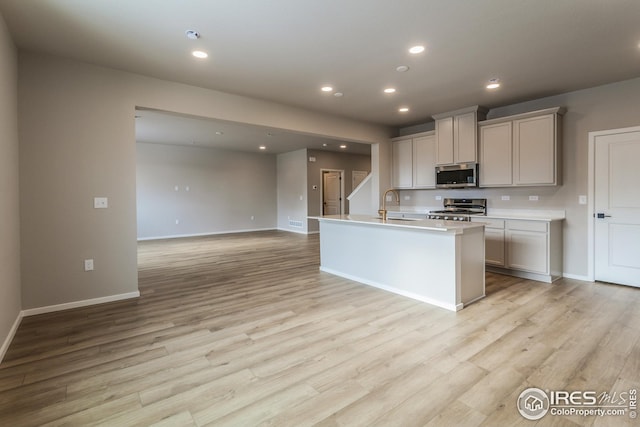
[324,144]
[403,109]
[343,146]
[262,147]
[192,34]
[219,133]
[493,84]
[338,94]
[416,49]
[389,90]
[326,89]
[200,54]
[402,69]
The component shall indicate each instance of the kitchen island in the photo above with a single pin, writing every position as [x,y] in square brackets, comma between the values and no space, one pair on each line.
[434,261]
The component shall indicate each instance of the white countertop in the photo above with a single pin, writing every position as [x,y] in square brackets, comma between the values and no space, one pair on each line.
[523,214]
[421,224]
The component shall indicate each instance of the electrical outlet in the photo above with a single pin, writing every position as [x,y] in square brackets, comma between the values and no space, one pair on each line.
[533,198]
[100,202]
[407,197]
[506,198]
[438,197]
[88,265]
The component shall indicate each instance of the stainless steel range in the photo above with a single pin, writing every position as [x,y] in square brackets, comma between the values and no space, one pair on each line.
[460,209]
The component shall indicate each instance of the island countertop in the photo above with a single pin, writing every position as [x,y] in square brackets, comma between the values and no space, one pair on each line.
[434,261]
[455,227]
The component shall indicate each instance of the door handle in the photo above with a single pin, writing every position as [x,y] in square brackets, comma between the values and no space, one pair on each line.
[601,215]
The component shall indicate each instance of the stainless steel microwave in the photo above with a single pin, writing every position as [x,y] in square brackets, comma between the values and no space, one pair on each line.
[457,176]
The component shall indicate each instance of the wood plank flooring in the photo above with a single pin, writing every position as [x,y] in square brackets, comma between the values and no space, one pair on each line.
[244,330]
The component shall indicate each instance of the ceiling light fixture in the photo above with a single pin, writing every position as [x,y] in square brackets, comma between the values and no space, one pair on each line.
[219,133]
[262,147]
[192,34]
[326,89]
[389,90]
[493,84]
[416,49]
[200,54]
[343,146]
[402,69]
[403,109]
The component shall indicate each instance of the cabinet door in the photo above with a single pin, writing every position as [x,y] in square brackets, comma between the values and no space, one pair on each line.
[527,250]
[444,138]
[424,162]
[495,155]
[534,151]
[494,246]
[402,164]
[465,138]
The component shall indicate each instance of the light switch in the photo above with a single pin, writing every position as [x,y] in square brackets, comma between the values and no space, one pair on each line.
[506,197]
[100,203]
[582,200]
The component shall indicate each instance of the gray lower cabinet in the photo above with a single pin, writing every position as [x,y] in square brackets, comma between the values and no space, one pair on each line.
[531,249]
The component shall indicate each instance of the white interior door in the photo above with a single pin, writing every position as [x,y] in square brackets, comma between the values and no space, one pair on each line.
[331,192]
[617,208]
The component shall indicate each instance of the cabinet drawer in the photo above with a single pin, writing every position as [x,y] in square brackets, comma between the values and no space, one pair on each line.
[539,226]
[490,222]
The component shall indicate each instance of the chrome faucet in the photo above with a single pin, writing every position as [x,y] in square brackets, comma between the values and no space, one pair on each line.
[383,212]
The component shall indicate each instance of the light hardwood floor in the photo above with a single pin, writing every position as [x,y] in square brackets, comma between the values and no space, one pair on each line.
[244,330]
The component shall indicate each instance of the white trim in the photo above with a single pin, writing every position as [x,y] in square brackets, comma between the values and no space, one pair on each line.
[591,189]
[407,294]
[12,333]
[290,230]
[211,233]
[76,304]
[576,277]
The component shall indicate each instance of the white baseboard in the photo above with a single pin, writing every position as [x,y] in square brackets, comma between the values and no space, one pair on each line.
[577,277]
[212,233]
[12,333]
[293,231]
[76,304]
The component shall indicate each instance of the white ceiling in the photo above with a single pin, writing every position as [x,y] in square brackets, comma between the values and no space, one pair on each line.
[161,127]
[285,50]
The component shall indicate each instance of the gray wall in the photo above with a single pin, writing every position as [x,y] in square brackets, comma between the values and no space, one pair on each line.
[330,160]
[77,141]
[605,107]
[292,191]
[225,190]
[10,304]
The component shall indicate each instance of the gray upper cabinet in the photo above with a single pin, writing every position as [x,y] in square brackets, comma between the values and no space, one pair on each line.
[457,135]
[521,150]
[413,161]
[402,163]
